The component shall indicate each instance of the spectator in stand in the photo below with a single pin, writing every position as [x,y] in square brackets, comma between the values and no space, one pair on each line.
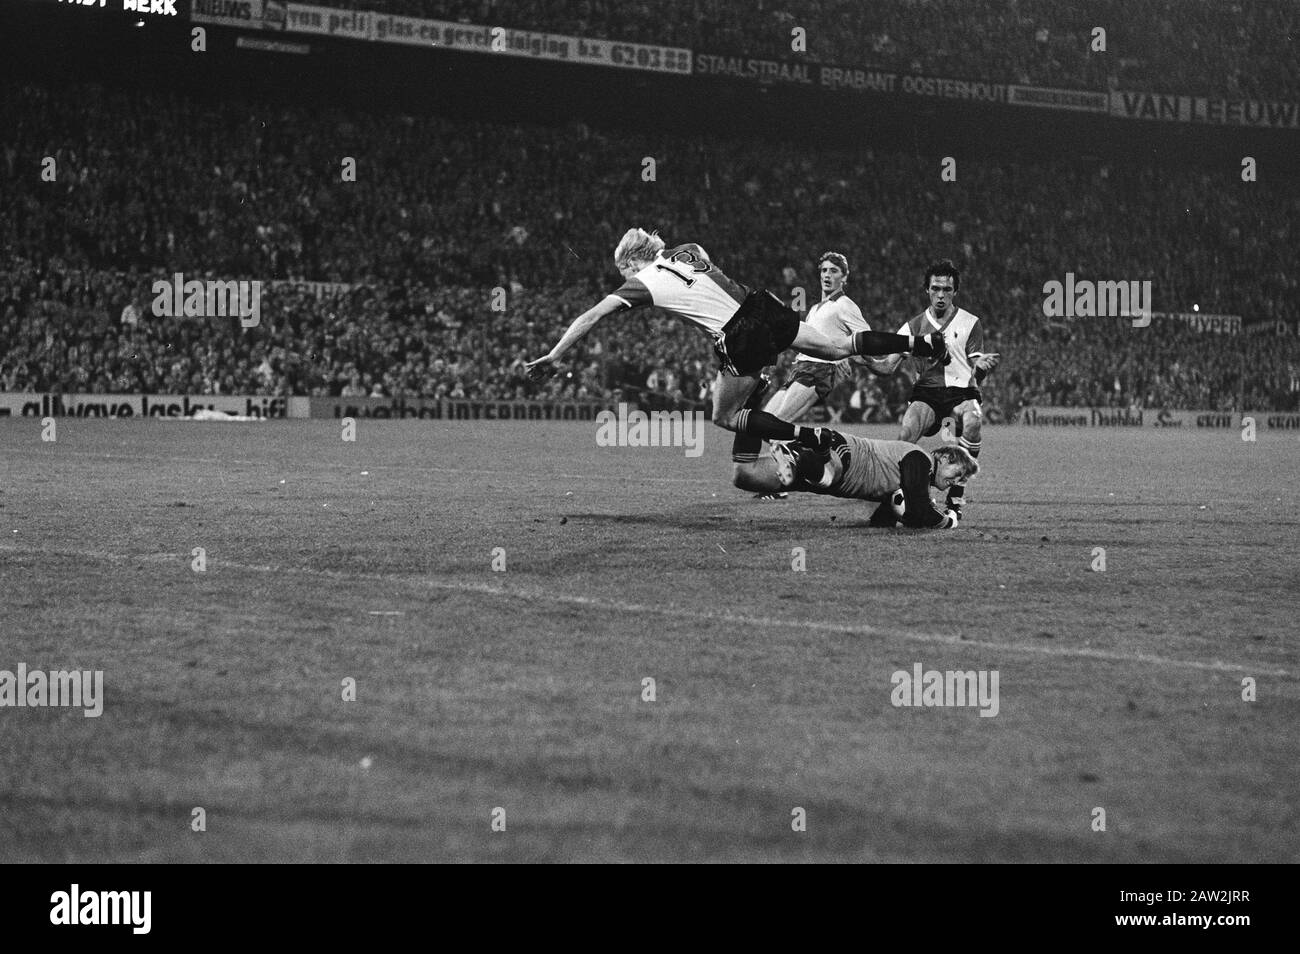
[75,283]
[1217,48]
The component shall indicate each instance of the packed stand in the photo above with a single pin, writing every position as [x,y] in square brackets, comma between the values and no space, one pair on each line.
[1197,47]
[446,213]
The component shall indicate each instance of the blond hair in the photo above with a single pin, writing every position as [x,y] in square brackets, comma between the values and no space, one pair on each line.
[953,454]
[637,245]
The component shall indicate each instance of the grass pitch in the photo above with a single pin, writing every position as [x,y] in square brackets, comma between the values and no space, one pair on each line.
[522,689]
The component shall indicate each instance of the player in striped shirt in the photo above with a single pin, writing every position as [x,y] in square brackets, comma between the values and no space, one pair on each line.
[947,387]
[749,327]
[898,474]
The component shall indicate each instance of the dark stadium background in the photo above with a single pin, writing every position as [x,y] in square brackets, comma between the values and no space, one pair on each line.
[1141,200]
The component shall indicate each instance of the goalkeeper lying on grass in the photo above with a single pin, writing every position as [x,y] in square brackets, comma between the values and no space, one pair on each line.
[896,473]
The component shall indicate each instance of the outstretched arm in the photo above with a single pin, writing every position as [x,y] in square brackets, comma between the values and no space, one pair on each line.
[981,362]
[984,363]
[581,325]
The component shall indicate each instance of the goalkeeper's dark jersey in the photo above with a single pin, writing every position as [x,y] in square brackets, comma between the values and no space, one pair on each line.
[875,469]
[873,466]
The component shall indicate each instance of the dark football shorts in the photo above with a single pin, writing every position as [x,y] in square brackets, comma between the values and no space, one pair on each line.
[760,330]
[821,376]
[943,401]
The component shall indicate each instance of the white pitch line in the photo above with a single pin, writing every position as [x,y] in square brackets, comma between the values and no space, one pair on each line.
[735,619]
[846,628]
[280,467]
[721,481]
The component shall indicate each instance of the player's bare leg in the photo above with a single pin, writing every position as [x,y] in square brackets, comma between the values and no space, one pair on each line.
[767,475]
[918,419]
[748,470]
[792,402]
[811,341]
[782,468]
[970,418]
[730,393]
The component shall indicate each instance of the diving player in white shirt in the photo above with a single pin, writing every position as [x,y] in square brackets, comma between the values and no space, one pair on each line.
[836,315]
[749,327]
[812,378]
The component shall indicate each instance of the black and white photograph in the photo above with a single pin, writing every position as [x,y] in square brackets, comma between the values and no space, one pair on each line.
[668,432]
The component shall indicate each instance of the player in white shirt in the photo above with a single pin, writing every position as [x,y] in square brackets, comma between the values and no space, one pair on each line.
[948,386]
[836,315]
[749,327]
[811,377]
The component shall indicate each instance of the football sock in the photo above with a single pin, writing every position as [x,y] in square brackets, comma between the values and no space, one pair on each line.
[882,342]
[746,448]
[957,492]
[764,426]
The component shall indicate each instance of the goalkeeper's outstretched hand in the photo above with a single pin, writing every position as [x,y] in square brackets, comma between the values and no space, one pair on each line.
[541,369]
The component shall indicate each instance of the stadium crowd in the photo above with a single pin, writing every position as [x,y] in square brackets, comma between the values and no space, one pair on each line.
[1198,47]
[469,246]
